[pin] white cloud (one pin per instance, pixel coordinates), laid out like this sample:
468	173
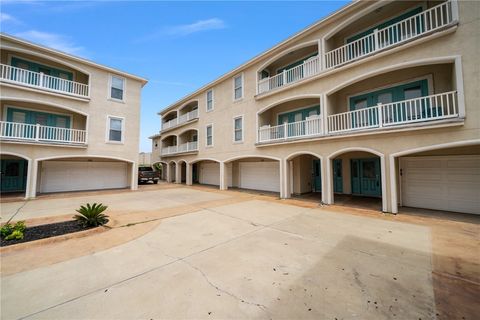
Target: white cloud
52	40
202	25
4	17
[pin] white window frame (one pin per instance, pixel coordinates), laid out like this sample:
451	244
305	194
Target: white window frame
243	86
243	129
107	131
110	81
206	135
213	100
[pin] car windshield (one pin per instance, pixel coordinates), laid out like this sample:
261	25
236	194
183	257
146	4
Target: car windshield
145	169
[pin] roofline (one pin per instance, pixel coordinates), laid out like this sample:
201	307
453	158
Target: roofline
72	57
261	55
155	136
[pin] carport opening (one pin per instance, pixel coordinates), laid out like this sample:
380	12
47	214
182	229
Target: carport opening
445	179
254	174
173	170
304	177
14	172
83	174
356	180
206	173
183	172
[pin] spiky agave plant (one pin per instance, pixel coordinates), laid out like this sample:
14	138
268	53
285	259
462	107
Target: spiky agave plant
91	215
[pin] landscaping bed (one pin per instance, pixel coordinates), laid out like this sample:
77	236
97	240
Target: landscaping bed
47	231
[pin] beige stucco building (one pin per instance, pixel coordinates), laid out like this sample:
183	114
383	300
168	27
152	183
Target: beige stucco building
67	123
379	99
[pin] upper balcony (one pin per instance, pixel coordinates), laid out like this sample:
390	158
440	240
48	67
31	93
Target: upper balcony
23	70
408	98
185	142
383	29
41	124
176	118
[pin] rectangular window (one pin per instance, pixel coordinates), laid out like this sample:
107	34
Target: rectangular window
117	88
115	129
238	129
210	100
209	135
238	87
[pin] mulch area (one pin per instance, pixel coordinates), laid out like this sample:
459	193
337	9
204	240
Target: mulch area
46	231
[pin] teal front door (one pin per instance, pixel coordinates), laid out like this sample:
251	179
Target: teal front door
298	129
337	176
317	176
14	175
366	179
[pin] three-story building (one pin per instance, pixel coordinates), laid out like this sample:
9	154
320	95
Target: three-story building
379	99
66	123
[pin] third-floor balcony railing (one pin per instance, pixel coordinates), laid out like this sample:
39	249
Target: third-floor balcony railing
416	26
42	81
182	119
184	147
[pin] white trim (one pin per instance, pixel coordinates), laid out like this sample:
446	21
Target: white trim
330	195
107	132
203	159
171	111
459	86
84	156
186	104
304	58
242	87
206	135
10	56
184	131
247	156
29	171
167	136
243	129
393	175
206	100
300	153
291	98
124	91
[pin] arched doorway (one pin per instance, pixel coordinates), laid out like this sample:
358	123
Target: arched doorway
206	172
305	175
14	174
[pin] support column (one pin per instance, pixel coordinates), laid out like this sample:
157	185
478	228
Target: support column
168	173
134	177
189	175
289	183
325	181
178	173
393	185
283	179
223	177
34	179
329	182
324	113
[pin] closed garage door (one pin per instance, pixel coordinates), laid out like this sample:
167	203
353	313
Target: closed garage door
442	183
82	175
209	173
259	176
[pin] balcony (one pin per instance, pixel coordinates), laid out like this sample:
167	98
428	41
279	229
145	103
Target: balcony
402	29
39	80
182	148
397	114
180	120
36	133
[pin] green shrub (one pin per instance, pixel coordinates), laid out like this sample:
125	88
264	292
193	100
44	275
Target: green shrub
16	231
91	215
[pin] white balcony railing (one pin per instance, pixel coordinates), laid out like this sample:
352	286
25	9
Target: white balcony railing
307	69
40	80
38	133
182	119
404	30
401	113
312	126
429	108
184	147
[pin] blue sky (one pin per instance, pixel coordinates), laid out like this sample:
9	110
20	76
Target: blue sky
178	46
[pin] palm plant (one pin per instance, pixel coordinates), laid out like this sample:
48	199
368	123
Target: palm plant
91	215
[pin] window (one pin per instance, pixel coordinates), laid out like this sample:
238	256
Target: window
210	100
238	87
238	129
209	135
117	88
115	129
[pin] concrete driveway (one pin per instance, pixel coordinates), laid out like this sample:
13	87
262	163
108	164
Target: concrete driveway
255	258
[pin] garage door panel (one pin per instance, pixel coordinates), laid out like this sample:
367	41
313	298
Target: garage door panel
209	173
449	183
58	176
263	176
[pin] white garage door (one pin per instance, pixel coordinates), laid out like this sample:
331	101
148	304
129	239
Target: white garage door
442	183
260	176
82	175
209	173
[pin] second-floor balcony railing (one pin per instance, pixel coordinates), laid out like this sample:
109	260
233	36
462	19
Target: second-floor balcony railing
184	147
402	31
396	114
42	81
182	119
37	133
418	25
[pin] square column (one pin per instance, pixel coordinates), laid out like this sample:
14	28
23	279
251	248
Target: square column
168	173
223	177
189	175
178	173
